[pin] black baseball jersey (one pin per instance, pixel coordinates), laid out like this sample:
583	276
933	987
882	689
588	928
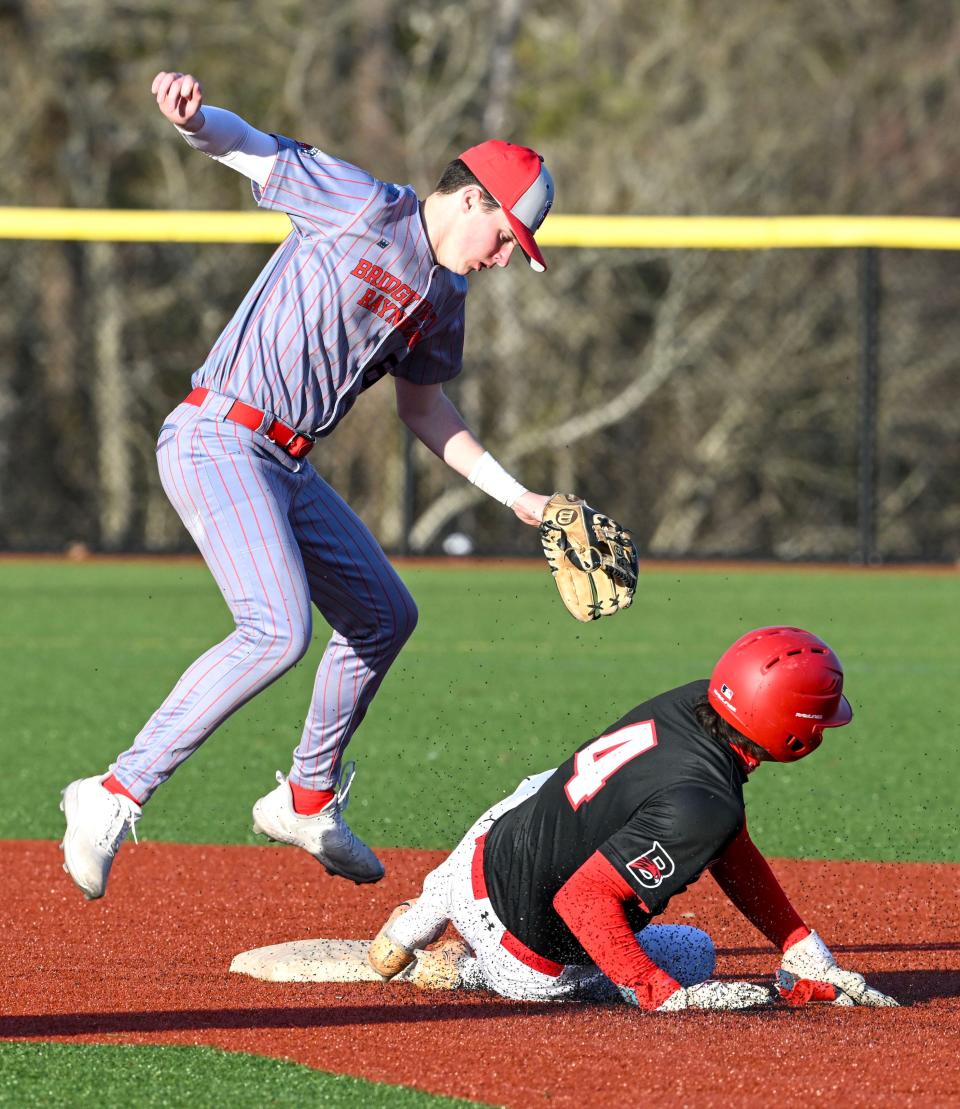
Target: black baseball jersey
654	794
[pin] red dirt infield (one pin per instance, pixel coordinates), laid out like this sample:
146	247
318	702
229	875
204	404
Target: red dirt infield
148	965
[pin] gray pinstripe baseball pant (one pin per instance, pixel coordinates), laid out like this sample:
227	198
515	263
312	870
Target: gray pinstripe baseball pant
276	537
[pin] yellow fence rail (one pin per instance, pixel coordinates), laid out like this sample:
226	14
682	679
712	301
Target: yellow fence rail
650	232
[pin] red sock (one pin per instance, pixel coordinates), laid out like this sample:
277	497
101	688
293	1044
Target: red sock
114	786
308	802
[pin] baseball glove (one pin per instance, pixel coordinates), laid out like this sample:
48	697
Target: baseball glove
593	559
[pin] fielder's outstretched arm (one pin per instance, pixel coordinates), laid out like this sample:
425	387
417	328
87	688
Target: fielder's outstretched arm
434	419
219	134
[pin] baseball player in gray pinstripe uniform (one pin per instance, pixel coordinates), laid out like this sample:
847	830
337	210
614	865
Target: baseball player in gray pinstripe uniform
370	282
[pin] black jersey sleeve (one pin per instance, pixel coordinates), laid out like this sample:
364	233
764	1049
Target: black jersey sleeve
666	844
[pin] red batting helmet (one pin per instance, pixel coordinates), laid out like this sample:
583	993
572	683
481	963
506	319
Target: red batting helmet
780	687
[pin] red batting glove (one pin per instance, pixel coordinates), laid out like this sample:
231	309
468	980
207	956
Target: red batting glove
801	991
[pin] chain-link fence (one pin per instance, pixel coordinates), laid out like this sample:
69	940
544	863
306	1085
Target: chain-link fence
741	403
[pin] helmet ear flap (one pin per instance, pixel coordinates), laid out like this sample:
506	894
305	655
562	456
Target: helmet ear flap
799	747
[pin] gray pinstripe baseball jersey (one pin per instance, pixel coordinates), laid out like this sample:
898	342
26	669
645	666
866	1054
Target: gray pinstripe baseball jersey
352	293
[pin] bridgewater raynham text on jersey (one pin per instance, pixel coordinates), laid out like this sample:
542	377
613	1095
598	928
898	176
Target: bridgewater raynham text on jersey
391	299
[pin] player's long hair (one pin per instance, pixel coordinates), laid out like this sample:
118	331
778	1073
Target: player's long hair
456	176
723	732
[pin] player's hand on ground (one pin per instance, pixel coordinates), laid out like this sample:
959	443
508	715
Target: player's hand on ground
529	508
439	967
855	986
794	991
718	995
179	97
811	958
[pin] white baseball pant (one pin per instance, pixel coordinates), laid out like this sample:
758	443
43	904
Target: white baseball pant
449	894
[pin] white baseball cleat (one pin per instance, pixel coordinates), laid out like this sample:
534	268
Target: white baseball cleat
325	835
98	821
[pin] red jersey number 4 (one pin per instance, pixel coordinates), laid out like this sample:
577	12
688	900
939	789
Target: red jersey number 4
600	760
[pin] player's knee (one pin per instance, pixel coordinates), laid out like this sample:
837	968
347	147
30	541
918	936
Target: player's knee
687	954
407	621
383	627
296	637
397	625
283	642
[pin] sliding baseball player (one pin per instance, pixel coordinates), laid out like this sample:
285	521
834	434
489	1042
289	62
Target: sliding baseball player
554	889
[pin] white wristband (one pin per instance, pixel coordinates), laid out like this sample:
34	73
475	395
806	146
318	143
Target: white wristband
489	476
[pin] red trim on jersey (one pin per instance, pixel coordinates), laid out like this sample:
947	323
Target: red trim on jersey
519	950
477	879
508	941
295	443
745	877
591	904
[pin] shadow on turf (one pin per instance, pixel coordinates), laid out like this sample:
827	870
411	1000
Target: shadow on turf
86	1024
907	986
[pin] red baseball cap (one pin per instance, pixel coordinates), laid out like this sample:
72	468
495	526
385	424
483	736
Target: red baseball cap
517	179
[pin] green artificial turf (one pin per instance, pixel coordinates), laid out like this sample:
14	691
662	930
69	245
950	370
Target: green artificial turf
155	1077
497	681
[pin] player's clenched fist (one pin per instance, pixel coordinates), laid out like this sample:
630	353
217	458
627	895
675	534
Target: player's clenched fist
179	97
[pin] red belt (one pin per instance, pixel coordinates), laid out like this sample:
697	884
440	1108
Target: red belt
295	443
517	948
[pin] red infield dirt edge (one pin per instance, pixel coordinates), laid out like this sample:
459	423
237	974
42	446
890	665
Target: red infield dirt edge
148	965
